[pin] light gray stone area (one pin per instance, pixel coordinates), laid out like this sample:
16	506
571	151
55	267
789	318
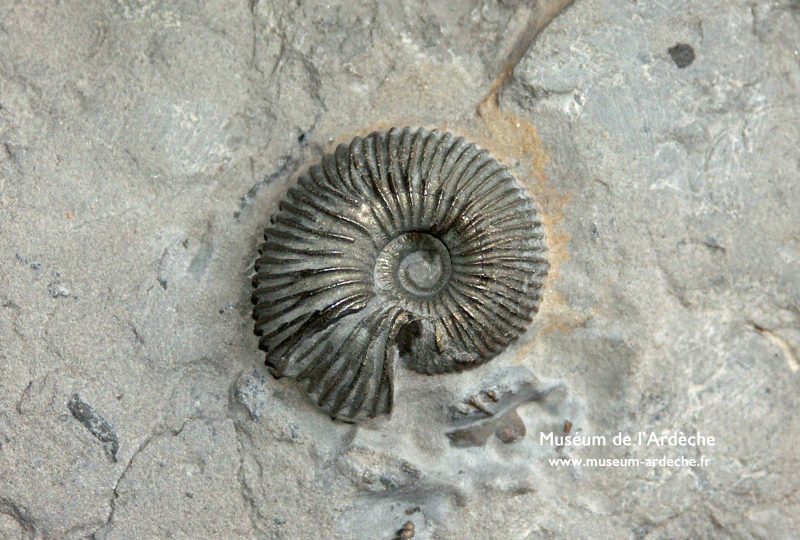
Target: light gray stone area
143	145
683	282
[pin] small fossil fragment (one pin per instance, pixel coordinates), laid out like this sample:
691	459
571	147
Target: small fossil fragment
406	532
96	424
412	245
493	410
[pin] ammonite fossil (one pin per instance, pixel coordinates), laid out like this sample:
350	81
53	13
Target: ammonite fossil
411	247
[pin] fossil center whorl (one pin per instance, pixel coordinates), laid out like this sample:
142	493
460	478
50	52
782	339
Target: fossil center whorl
413	268
409	244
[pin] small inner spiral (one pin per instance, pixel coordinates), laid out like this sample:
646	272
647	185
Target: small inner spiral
420	271
413	267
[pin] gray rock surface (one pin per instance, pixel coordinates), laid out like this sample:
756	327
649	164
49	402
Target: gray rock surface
144	143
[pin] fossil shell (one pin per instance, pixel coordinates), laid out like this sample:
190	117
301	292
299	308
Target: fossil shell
412	245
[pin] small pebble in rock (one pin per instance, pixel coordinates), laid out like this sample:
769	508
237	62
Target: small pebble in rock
406	532
682	54
509	434
57	290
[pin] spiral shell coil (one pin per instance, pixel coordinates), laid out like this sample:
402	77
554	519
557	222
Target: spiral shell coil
412	246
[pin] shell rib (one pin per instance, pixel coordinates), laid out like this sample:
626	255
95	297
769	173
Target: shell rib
412	245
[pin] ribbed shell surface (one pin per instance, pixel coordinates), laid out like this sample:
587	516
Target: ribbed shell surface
412	246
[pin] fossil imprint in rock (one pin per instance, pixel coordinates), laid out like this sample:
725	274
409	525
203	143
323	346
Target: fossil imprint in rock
412	247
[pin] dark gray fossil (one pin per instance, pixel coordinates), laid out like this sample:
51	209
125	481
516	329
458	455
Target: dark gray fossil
410	245
493	410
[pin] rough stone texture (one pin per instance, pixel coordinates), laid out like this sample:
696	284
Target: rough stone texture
143	144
